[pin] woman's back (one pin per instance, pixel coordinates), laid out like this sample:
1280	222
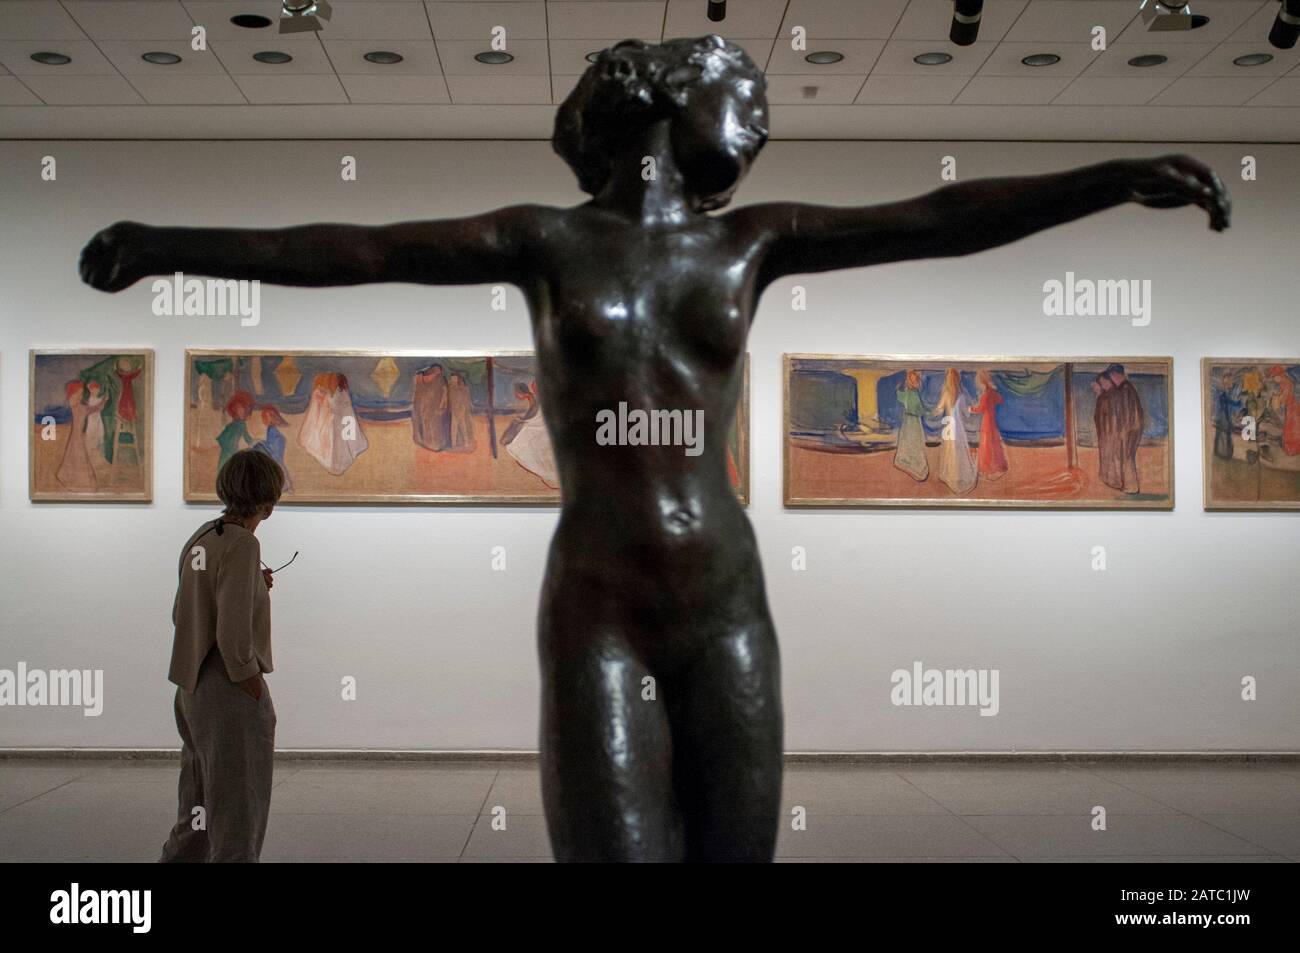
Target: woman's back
222	601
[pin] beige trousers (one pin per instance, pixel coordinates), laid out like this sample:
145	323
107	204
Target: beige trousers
227	756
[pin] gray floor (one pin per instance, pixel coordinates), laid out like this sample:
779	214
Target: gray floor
64	810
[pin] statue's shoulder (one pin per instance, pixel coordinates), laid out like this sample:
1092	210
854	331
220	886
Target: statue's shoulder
532	222
758	220
532	213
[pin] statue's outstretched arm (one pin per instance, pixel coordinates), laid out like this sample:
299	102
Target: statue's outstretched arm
454	251
970	216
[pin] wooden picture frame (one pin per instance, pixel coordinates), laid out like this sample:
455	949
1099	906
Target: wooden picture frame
880	466
114	417
385	409
1262	473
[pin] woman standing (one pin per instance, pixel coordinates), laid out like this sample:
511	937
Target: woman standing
207	416
94	435
1228	403
1105	422
1291	410
127	372
275	442
955	466
991	458
222	646
462	414
431	408
347	439
910	455
316	434
75	469
239	408
527	440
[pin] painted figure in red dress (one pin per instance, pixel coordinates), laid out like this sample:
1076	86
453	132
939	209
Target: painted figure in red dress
991	458
1291	425
126	400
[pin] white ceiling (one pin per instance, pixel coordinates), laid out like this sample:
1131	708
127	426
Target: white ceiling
440	91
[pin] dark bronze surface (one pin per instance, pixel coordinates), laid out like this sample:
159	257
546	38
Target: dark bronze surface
640	296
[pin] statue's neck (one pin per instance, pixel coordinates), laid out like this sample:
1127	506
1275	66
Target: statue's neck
645	183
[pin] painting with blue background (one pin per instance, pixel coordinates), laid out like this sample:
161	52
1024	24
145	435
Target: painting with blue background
823	399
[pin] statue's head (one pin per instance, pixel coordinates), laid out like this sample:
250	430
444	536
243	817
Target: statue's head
708	88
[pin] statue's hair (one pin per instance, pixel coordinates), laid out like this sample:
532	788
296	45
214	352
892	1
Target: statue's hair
633	83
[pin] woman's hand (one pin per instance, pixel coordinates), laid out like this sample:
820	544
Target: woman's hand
115	258
254	686
1176	180
266	575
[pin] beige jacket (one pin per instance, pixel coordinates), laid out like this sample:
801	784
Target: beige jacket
221	600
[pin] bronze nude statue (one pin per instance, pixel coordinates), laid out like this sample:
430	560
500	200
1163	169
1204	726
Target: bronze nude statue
640	296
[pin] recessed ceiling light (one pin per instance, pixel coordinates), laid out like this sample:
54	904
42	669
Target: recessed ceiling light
932	59
274	57
1253	59
493	57
160	58
1199	21
1041	59
1148	59
384	57
52	59
824	57
250	21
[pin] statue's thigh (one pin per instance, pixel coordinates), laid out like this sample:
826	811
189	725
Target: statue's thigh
726	719
606	757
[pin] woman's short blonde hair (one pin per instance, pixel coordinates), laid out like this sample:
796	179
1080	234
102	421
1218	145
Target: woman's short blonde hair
250	481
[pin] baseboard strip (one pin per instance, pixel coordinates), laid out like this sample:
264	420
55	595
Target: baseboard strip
791	757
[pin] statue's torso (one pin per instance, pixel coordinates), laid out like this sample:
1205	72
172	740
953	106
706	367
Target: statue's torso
655	319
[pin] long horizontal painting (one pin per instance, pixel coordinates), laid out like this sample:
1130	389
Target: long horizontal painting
90	429
384	427
1091	433
1251	433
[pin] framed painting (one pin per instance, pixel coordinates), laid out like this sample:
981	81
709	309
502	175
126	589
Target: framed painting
384	426
1250	433
90	429
1028	432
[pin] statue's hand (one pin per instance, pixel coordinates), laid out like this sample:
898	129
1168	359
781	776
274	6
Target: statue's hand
114	258
1175	181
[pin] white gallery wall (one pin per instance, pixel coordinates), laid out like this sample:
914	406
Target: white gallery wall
1147	655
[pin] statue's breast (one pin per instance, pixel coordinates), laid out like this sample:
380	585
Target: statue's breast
637	298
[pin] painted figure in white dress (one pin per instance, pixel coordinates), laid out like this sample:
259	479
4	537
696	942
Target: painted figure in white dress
528	442
956	468
349	439
95	401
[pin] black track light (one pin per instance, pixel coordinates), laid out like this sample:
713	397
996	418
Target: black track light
966	21
1286	28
